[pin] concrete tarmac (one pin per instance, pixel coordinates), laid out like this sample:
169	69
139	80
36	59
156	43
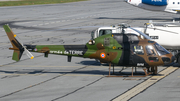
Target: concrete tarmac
55	79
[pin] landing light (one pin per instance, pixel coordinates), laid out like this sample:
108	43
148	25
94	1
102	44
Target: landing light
91	42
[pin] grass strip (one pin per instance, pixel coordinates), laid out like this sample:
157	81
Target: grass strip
34	2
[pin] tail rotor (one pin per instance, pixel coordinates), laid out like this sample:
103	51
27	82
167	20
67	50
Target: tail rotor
17	46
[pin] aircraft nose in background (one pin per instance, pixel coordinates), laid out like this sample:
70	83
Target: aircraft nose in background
133	2
130	1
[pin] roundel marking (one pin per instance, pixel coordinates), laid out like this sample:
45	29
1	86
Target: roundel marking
35	49
102	55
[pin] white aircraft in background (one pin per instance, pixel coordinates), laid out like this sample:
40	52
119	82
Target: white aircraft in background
172	6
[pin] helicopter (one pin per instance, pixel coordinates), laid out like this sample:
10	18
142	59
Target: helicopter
119	49
157	31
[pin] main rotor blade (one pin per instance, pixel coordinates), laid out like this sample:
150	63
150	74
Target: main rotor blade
28	54
144	35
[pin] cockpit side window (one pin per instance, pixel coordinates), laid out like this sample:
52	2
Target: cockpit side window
150	50
105	31
94	34
160	50
138	50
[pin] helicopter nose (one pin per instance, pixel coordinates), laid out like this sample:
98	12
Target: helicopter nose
173	58
167	60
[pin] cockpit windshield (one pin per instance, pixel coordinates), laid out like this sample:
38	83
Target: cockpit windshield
160	50
105	32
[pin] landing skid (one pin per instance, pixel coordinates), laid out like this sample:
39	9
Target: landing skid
147	71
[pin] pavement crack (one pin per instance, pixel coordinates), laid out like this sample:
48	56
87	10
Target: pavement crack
49	80
16	62
78	89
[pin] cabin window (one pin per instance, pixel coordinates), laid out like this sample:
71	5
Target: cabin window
173	2
150	50
105	31
138	50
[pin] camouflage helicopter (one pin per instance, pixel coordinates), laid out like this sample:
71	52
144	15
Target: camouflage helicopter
117	48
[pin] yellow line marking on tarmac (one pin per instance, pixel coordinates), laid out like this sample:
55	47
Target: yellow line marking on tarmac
144	85
157	76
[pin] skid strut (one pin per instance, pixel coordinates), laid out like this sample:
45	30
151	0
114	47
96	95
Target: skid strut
153	70
113	68
109	69
147	71
132	71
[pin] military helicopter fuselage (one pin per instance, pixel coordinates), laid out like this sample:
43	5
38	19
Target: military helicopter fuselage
115	48
119	49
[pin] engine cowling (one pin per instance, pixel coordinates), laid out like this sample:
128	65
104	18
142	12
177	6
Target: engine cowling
155	2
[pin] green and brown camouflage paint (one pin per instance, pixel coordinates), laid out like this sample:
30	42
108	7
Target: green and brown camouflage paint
17	47
85	51
111	48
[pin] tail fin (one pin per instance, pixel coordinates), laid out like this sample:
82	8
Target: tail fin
17	46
